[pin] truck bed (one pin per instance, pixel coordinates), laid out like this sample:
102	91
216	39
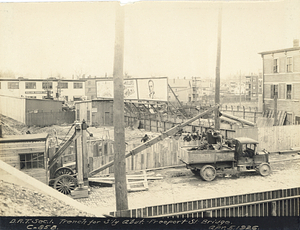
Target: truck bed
208	156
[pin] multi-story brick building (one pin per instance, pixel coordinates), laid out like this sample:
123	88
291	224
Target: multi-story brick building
253	86
68	90
281	77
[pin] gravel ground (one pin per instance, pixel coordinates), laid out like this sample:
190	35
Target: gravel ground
179	184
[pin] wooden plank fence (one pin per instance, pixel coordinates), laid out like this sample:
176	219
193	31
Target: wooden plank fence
163	153
273	138
282	202
168	151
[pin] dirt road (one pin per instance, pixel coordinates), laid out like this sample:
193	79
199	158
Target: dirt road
179	184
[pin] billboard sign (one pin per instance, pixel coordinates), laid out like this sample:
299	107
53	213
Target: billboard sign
105	89
149	89
154	89
130	89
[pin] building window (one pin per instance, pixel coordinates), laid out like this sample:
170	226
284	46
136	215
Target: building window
32	160
274	90
30	85
78	115
88	116
275	66
78	85
288	91
32	97
47	85
13	85
289	66
297	120
62	85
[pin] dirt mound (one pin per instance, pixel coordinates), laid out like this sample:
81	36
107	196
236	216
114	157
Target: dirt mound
16	200
11	126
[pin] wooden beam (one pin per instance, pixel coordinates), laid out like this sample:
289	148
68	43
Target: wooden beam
184	115
24	138
62	149
238	119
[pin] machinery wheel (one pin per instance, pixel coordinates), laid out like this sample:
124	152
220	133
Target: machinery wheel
208	173
62	171
264	169
65	184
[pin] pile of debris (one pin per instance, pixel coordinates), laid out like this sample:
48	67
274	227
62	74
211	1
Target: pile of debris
16	200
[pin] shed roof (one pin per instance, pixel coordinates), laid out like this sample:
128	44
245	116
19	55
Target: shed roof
246	140
24	138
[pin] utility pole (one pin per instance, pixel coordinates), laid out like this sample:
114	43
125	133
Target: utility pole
118	116
217	83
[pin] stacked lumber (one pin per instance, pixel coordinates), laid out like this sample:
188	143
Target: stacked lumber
137	182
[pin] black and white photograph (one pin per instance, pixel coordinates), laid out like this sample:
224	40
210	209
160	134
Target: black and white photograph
150	114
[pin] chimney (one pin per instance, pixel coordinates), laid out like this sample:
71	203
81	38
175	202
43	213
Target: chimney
296	43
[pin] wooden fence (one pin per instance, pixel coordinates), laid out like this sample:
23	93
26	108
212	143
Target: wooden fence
50	118
273	138
164	153
168	151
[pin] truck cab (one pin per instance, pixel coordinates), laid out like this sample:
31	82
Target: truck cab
248	158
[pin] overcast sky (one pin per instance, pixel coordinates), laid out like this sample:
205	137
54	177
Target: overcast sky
173	39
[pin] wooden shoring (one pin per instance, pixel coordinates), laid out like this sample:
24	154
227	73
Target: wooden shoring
282	202
184	115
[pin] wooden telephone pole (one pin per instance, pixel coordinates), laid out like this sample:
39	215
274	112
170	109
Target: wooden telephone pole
118	116
217	83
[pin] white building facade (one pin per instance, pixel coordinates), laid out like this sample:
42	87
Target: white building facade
67	90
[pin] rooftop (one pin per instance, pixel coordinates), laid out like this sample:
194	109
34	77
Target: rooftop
246	140
281	50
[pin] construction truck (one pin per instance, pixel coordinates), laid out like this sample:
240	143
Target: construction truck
238	155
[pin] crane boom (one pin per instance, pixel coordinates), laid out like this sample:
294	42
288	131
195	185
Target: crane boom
153	141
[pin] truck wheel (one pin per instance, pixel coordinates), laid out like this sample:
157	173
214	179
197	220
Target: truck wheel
208	173
264	169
